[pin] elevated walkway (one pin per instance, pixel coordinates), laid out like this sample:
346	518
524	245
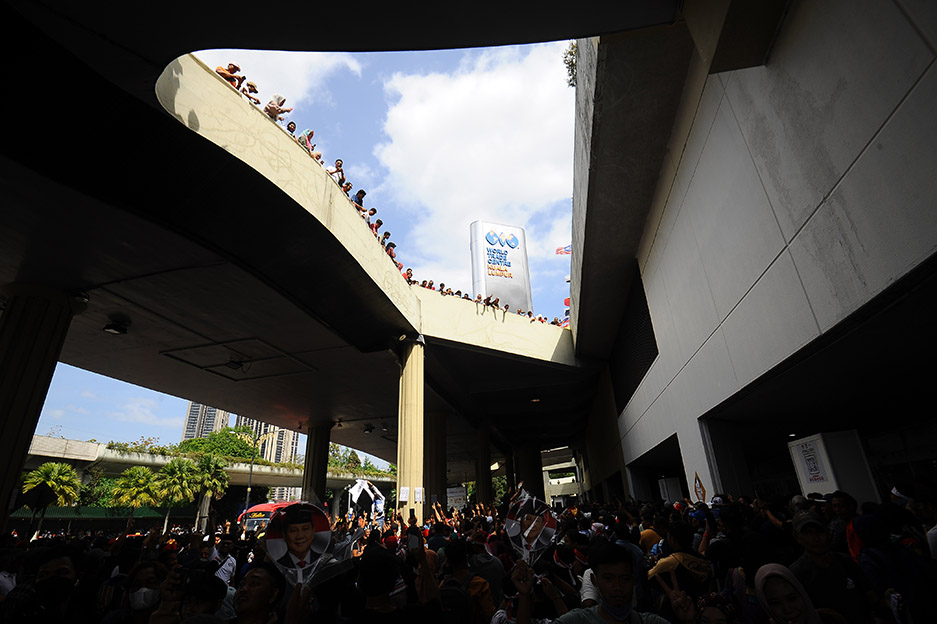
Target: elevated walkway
87	455
197	97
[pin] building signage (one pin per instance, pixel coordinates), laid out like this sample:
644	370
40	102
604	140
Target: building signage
456	497
499	264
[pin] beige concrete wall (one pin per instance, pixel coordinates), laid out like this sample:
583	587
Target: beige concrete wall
793	193
471	323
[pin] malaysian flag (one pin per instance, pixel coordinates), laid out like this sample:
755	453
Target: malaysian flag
564	251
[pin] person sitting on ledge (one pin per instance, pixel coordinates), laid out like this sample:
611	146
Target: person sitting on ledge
275	108
247	89
375	227
358	198
384	239
305	139
229	74
336	172
291	128
346	188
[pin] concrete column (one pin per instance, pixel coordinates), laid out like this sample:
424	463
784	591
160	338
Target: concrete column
530	469
33	327
483	489
509	470
410	429
434	457
316	465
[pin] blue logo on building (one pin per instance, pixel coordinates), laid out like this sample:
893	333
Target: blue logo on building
510	240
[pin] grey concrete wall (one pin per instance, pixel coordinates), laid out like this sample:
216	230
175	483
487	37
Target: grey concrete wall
792	194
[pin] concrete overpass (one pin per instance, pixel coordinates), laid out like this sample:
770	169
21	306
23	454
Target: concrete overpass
85	456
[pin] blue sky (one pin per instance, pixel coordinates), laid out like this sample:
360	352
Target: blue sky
438	140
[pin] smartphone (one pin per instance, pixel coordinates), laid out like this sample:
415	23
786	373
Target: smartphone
413	542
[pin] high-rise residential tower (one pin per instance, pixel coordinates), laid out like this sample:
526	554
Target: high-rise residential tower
201	420
279	446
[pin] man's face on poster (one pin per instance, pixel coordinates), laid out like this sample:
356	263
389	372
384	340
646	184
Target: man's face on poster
534	523
299	538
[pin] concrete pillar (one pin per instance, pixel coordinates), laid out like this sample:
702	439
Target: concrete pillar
410	430
530	469
509	470
316	466
434	457
33	327
483	489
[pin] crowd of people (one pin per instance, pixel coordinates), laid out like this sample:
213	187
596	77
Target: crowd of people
489	301
819	559
275	109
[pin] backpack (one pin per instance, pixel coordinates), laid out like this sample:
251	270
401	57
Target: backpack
456	601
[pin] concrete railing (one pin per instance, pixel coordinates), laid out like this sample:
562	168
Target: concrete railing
199	98
467	322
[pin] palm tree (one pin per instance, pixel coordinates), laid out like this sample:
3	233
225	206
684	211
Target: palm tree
176	482
212	482
62	478
134	488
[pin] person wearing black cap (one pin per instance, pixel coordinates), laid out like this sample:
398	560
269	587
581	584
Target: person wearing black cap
832	580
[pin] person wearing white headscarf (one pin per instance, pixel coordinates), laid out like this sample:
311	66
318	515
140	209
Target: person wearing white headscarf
274	107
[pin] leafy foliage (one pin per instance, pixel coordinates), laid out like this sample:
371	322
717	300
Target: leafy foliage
569	59
145	444
211	475
60	477
135	488
234	442
499	485
344	459
177	482
98	491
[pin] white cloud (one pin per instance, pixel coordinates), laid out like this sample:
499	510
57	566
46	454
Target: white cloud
78	410
56	413
89	395
298	76
141	410
493	140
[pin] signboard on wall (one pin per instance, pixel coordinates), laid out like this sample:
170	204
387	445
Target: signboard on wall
499	264
456	497
812	465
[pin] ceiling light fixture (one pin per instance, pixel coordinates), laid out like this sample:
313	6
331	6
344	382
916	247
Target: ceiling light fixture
234	364
535	400
116	328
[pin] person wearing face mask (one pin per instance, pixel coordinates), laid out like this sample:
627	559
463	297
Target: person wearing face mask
52	596
612	573
142	596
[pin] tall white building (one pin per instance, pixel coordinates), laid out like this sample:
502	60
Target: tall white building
201	420
279	447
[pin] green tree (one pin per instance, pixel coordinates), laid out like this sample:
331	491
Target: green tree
352	461
135	488
176	483
212	483
234	442
61	478
98	491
